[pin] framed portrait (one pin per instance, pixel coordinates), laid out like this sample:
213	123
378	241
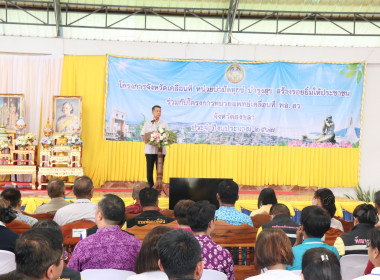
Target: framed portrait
11	110
67	114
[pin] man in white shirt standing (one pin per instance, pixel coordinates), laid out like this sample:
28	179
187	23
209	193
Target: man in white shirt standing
373	254
82	208
151	151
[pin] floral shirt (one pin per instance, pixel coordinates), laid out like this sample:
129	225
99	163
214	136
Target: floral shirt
108	248
134	208
216	257
232	216
26	219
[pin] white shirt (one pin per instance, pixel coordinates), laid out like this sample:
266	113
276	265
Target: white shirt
81	209
336	224
375	275
150	127
156	275
276	274
2	224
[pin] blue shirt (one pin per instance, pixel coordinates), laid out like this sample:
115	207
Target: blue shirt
307	244
232	216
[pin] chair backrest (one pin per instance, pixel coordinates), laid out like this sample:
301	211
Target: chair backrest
227	235
141	232
353	266
260	219
101	274
131	215
69	241
18	227
7	262
43	216
210	274
168	213
331	235
347	225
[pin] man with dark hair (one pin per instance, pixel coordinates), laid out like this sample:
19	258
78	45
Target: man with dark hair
180	255
136	208
201	219
82	208
56	191
149	202
228	194
151	151
373	254
67	273
280	216
14	197
315	222
39	255
109	247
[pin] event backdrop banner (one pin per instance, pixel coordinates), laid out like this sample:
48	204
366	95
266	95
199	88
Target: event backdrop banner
238	102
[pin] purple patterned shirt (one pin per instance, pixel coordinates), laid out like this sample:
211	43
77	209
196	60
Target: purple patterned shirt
109	247
216	257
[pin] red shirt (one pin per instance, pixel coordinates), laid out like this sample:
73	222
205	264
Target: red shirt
134	208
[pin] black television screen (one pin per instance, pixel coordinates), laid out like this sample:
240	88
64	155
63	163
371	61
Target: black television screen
193	188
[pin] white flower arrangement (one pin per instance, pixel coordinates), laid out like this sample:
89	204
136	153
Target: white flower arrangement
75	140
21	141
46	141
162	137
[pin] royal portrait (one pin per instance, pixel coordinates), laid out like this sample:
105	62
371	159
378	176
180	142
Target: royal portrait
11	110
67	114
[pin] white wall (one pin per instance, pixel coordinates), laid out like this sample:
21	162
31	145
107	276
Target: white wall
370	152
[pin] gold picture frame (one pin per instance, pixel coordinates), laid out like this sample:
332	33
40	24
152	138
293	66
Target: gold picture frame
67	114
11	110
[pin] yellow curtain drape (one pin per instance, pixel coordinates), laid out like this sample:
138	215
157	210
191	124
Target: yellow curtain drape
247	165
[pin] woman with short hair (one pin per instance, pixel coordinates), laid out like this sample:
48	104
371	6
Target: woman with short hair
267	198
273	251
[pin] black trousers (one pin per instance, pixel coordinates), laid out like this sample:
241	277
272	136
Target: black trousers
151	159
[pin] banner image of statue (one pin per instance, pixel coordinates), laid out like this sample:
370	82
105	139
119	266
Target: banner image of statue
11	110
67	114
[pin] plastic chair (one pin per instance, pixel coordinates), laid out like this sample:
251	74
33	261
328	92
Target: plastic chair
101	274
353	266
7	262
210	274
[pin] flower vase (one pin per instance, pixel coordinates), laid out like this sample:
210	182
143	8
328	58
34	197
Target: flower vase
76	147
21	148
45	146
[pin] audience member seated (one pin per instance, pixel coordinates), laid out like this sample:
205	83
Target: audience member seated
39	256
180	214
373	254
146	264
355	241
82	208
315	221
7	237
180	255
201	219
273	252
109	247
320	264
228	194
136	208
149	202
56	191
14	197
67	273
267	198
280	216
326	199
376	202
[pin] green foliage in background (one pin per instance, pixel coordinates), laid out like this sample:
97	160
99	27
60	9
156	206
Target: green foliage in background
362	195
352	70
